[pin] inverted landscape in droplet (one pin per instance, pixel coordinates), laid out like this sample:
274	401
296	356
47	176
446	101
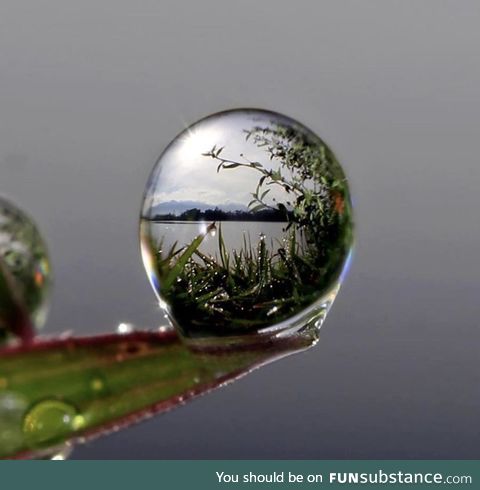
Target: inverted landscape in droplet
246	226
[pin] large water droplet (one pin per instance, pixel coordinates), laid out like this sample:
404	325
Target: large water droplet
246	227
25	276
50	420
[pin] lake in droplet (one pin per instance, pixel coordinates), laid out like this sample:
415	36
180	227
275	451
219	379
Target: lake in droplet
234	234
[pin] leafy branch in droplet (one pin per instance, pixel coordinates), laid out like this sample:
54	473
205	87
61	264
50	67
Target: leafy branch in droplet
308	173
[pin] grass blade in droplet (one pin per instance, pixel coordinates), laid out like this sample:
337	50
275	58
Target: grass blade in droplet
177	269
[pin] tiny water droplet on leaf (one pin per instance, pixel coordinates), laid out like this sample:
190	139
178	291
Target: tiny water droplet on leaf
279	203
60	453
97	384
49	421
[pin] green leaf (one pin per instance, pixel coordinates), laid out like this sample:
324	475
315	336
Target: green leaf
223	249
176	270
258	208
109	381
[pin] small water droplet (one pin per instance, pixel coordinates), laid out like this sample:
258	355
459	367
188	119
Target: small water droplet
25	274
48	421
97	384
125	328
78	422
59	453
62	454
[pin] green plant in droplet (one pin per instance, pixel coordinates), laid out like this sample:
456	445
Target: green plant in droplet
319	203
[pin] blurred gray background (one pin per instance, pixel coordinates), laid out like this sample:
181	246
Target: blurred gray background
92	91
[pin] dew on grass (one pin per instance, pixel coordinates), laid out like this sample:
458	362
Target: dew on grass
246	227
